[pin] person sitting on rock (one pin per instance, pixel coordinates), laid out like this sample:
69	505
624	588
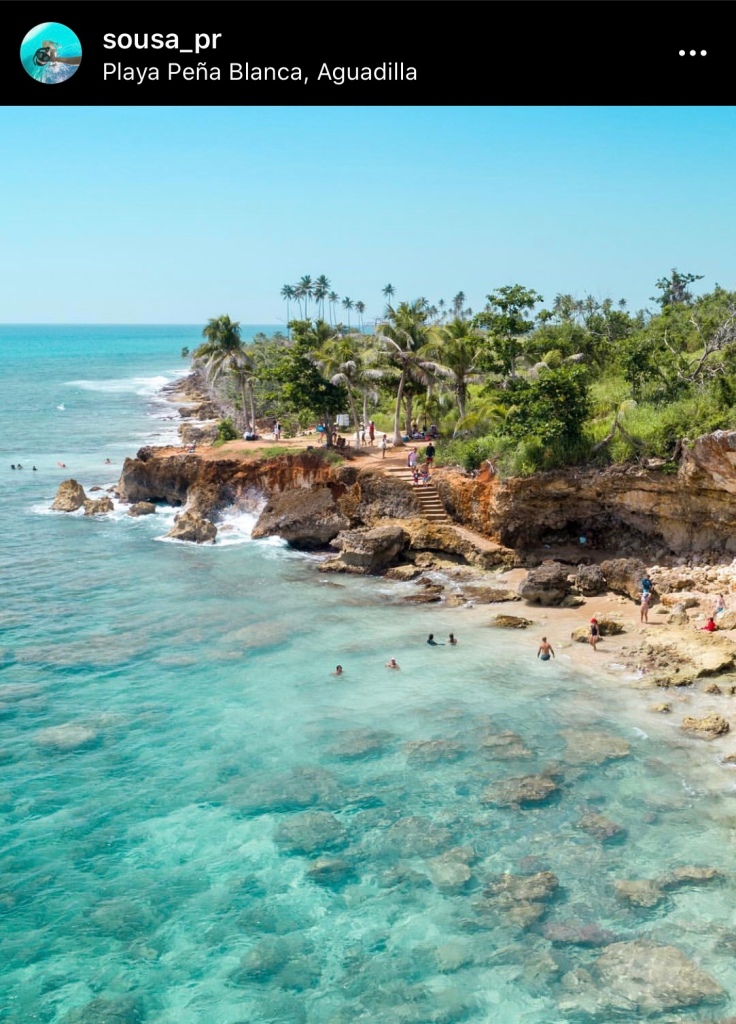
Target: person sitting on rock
710	626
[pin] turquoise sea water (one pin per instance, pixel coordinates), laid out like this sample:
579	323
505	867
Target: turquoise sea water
67	45
177	757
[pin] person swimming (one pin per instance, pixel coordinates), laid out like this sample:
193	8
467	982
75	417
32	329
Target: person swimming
338	671
392	663
432	642
452	639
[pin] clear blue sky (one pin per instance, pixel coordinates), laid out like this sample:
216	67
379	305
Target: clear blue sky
174	215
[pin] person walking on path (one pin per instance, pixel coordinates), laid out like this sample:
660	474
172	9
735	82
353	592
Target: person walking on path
412	458
595	633
384	446
545	650
429	454
646	597
372	432
277	431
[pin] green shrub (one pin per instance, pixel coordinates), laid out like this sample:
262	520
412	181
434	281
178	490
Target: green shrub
226	430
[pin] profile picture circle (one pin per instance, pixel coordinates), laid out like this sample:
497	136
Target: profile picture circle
51	53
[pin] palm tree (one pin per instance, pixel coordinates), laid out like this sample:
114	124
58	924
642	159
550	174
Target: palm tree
288	293
348	304
457	304
404	337
333	298
456	349
341	361
388	293
222	350
320	291
304	289
245	374
360	309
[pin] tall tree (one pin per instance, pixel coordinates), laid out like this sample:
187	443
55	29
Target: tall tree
297	382
348	304
222	350
457	350
320	291
404	337
333	298
388	293
360	310
457	304
507	322
288	292
674	289
303	291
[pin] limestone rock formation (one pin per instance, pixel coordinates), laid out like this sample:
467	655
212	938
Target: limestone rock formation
708	728
142	508
590	580
305	517
370	551
192	527
98	506
69	497
638	978
546	585
511	621
624	576
520	792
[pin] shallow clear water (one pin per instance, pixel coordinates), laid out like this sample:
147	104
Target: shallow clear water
176	756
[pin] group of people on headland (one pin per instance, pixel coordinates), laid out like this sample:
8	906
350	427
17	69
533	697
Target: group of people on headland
422	474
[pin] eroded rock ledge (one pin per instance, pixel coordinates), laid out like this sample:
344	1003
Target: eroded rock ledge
630	509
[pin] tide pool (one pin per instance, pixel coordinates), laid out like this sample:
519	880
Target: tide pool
200	824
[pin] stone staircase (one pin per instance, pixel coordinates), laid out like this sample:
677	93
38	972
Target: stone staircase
425	494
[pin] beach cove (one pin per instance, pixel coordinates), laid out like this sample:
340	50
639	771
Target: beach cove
200	822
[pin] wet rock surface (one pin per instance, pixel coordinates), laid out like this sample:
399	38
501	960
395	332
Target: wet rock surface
192	527
98	506
708	728
511	622
69	497
142	508
640	977
600	827
305	517
311	832
520	792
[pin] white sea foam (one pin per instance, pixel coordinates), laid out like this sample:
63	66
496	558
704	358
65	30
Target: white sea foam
146	386
640	732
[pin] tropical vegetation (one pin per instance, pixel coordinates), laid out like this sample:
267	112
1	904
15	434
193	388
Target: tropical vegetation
528	385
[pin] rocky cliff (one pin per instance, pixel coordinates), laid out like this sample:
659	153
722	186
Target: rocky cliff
661	509
657	510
